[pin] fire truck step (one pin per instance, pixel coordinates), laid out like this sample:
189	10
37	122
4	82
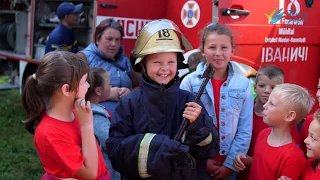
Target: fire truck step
8	87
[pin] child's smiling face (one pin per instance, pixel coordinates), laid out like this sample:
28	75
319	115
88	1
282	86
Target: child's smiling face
162	67
313	139
218	50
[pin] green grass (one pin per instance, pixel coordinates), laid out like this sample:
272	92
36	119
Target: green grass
4	79
18	157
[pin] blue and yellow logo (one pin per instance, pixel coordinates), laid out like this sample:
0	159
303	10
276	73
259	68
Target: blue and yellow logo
275	16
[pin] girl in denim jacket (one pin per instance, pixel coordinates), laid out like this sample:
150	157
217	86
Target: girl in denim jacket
227	98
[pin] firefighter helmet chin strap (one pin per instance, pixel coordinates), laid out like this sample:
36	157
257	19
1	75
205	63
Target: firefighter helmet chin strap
135	67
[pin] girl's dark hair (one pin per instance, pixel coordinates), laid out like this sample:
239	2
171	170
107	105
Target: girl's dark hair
218	29
105	24
316	117
95	79
55	69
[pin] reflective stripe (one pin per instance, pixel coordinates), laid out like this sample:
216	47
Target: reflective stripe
206	141
143	155
67	47
61	47
54	46
183	138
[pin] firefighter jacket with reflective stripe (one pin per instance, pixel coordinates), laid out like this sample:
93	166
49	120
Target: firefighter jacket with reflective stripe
142	130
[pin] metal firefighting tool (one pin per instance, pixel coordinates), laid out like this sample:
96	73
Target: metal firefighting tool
207	74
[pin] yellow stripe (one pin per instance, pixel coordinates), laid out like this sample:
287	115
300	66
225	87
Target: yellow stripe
65	48
143	155
206	141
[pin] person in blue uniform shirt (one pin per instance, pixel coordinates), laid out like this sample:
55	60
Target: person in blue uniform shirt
63	37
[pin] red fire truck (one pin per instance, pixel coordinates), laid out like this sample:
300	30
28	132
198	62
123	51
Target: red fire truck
280	32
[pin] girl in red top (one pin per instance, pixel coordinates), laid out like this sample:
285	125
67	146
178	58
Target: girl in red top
61	119
312	167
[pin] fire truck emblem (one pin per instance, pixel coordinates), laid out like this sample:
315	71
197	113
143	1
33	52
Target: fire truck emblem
290	17
190	14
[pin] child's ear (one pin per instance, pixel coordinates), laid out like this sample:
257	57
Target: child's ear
291	116
97	91
66	90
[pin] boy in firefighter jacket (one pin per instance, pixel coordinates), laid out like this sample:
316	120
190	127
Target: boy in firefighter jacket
141	143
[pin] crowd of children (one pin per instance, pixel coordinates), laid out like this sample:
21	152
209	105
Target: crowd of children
229	135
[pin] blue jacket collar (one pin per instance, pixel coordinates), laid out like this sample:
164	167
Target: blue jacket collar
160	99
145	83
98	109
93	48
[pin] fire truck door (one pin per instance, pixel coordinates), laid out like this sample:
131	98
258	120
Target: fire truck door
279	32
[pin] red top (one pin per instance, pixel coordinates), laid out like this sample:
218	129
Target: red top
109	113
58	144
310	174
216	85
257	126
295	135
304	132
273	162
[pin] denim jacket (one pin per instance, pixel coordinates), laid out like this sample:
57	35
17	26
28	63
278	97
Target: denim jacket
236	107
101	125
